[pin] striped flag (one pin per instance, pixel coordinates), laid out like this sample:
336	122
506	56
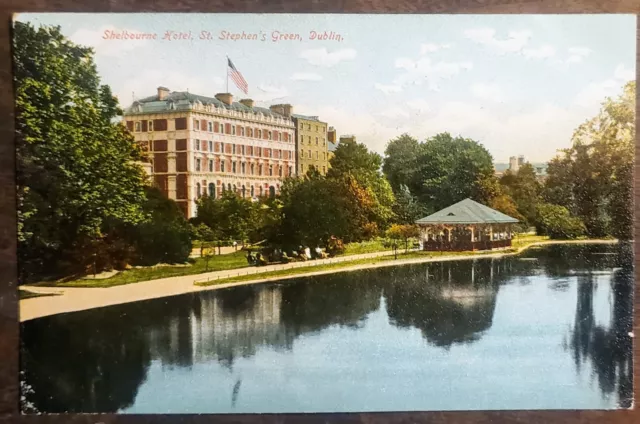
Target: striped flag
237	77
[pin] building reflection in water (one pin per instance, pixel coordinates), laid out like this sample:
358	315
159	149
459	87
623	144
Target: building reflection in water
95	361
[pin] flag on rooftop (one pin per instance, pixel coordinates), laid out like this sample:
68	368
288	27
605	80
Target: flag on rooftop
237	77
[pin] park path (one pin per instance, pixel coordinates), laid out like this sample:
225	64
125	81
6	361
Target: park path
71	299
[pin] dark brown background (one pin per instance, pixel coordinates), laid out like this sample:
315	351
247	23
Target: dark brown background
8	297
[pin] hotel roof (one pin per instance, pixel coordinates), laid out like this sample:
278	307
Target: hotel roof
467	211
182	100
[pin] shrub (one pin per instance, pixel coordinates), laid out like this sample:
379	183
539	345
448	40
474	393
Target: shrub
556	222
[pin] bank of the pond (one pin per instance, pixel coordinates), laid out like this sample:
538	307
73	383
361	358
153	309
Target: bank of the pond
73	299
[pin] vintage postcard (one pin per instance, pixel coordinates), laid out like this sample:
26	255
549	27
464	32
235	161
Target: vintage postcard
228	213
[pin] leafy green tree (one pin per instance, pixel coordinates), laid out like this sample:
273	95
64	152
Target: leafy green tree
556	222
524	189
354	159
401	161
231	217
406	209
76	167
593	178
450	170
164	236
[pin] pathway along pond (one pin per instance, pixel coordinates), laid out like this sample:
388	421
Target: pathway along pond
548	329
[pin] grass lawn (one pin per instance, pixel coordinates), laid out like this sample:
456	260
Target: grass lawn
526	239
198	266
26	294
364	247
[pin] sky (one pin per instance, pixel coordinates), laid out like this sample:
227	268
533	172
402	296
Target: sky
518	84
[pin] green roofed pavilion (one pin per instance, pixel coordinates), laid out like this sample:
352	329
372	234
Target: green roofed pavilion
466	225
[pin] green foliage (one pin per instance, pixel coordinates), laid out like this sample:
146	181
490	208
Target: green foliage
164	237
593	178
450	170
354	160
556	222
76	169
230	217
406	209
524	189
401	161
403	232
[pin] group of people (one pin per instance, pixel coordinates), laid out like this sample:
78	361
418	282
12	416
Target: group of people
278	255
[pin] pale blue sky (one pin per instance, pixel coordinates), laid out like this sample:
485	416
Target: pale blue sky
519	84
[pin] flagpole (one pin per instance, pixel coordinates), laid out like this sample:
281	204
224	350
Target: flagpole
227	68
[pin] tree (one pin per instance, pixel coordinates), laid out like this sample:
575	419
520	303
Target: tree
406	209
231	217
524	189
593	178
164	236
403	232
401	161
450	170
556	222
76	167
353	159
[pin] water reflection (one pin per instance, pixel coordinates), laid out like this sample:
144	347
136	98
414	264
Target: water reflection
97	360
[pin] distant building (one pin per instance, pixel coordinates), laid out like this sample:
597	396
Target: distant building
311	144
515	162
199	145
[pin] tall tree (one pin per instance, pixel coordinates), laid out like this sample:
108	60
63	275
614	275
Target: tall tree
593	178
354	159
401	161
76	168
231	216
524	188
451	169
406	209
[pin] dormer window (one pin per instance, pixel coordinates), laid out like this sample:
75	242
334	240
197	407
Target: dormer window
451	214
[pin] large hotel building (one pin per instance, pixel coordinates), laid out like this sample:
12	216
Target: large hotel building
199	145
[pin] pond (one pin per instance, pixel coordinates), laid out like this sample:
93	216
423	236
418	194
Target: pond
549	329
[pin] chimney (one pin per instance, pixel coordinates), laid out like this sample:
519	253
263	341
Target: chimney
163	93
247	102
226	98
331	134
285	110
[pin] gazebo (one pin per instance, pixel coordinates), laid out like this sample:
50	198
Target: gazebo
466	225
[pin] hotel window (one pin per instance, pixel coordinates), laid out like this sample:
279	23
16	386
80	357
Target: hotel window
279	154
271	170
212	190
324	156
259	133
250	132
221	128
233	167
221	166
244	191
210	166
280	171
233	148
196	125
198	190
260	169
317	153
317	128
316	141
258	151
242	150
137	126
301	139
150	126
252	191
210	125
196	144
309	139
279	136
235	188
242	131
243	168
233	130
290	171
324	170
309	127
260	190
229	186
210	146
253	169
270	153
269	135
309	154
197	164
221	147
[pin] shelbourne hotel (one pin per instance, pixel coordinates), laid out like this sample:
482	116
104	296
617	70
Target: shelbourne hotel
198	144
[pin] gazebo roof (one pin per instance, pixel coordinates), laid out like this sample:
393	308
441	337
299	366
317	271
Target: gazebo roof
467	211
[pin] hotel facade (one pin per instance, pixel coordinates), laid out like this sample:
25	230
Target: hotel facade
311	144
201	145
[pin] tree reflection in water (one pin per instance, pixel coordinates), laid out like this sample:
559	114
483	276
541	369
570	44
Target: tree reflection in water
95	361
